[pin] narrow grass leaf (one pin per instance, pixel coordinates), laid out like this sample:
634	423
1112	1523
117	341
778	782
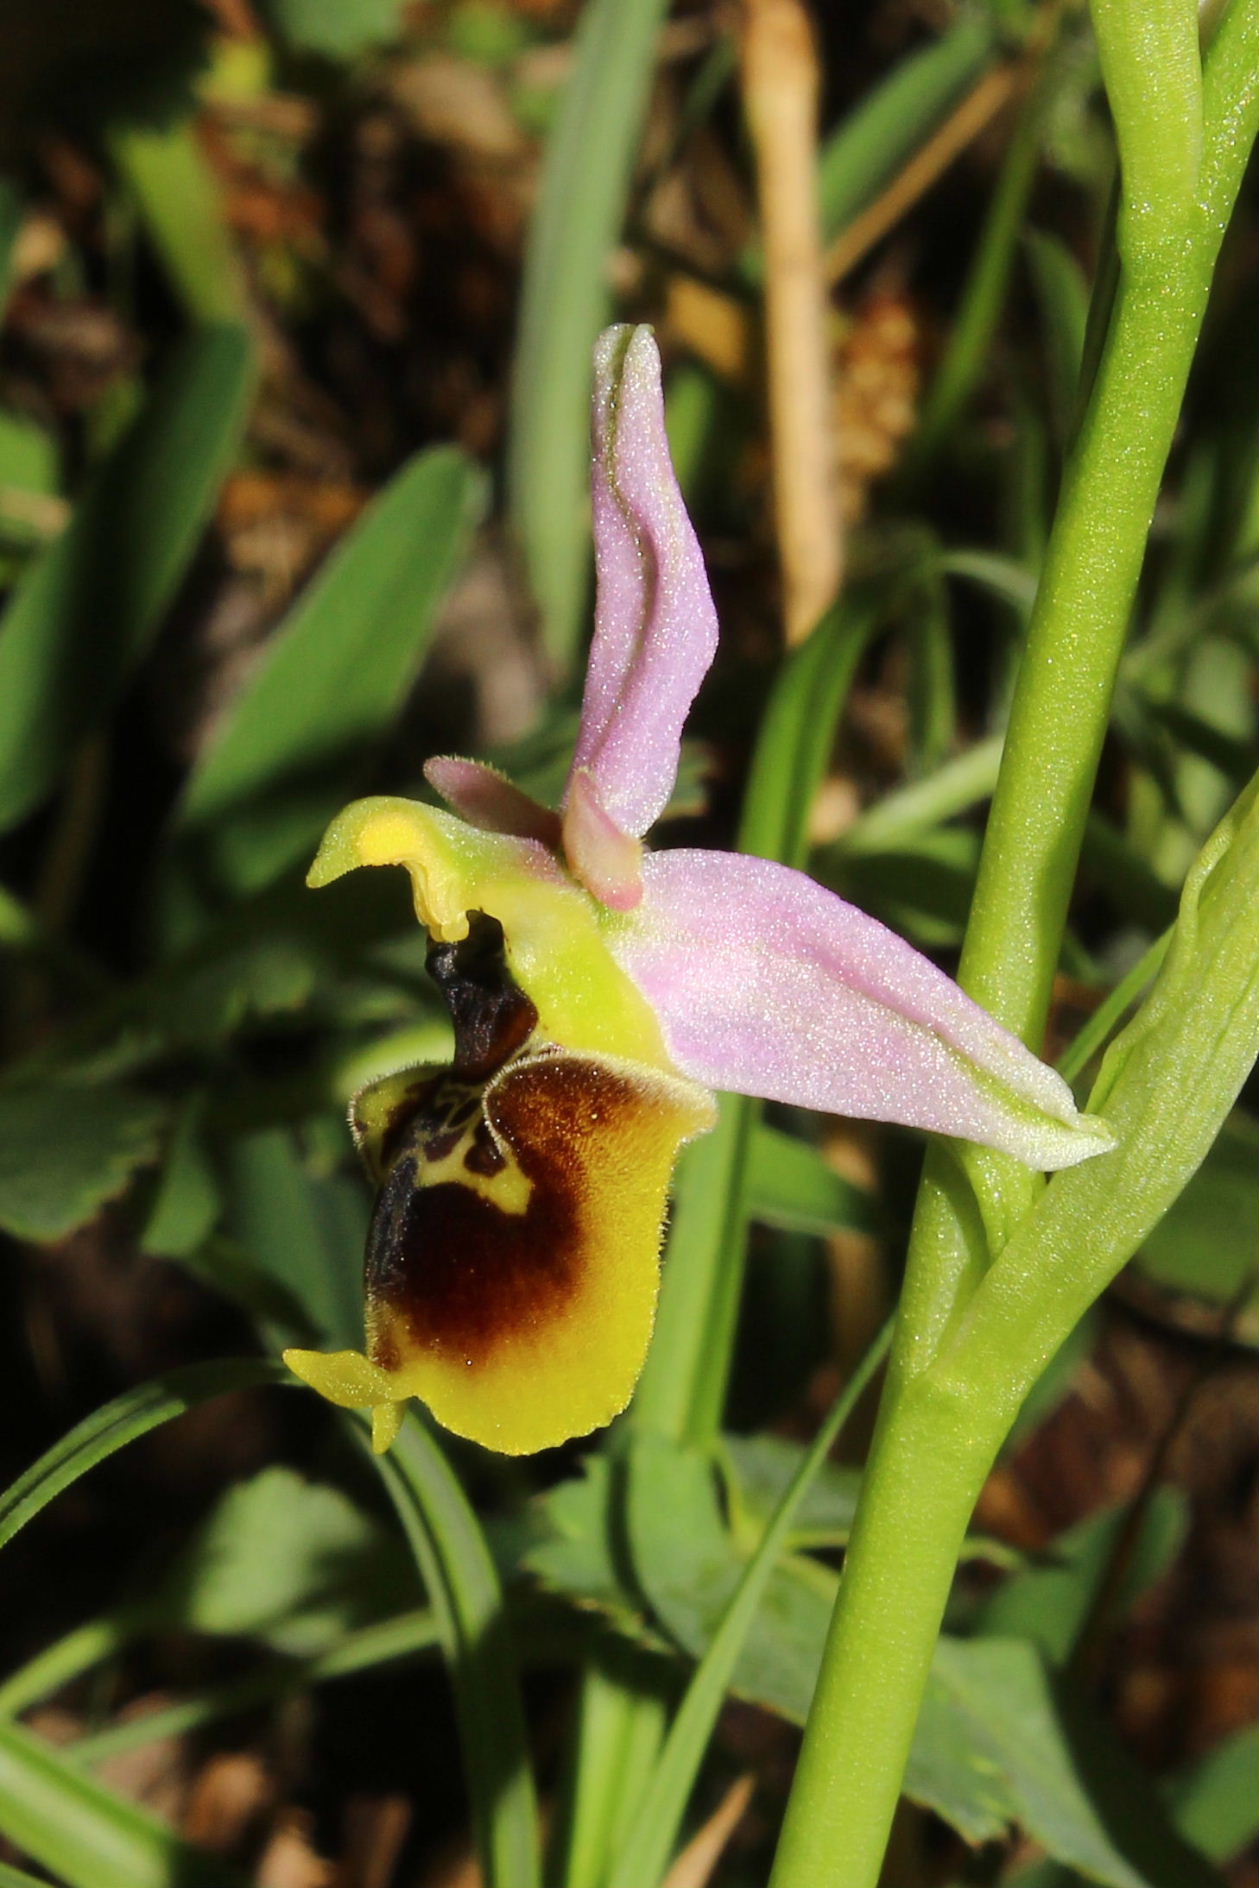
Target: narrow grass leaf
399	1638
467	1601
660	1812
113	1426
866	150
790	1185
1063	297
86	611
181	208
86	1835
330	684
577	222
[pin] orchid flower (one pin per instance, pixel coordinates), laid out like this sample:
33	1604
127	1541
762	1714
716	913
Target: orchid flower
599	993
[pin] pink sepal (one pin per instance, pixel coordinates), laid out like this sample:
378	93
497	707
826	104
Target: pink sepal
767	984
655	624
490	801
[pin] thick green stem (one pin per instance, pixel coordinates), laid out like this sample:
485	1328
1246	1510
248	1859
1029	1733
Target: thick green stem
1062	701
929	1460
938	1433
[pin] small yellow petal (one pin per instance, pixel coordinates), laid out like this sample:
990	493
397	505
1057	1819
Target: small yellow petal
345	1377
386	1422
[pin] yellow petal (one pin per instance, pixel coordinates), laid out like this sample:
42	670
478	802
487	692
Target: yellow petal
512	1279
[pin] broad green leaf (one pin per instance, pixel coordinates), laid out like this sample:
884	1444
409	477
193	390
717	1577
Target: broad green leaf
334	29
87	610
574	1548
762	1469
86	1835
997	1744
187	1203
1207	1243
790	1185
329	684
1215	1804
994	1747
66	1148
689	1569
113	1426
576	225
464	1592
305	1232
1050	1603
286	1559
659	1815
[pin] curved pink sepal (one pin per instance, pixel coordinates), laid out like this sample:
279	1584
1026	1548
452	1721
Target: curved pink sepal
607	861
655	624
767	984
490	801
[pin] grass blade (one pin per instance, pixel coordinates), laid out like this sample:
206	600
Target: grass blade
331	683
646	1854
872	143
110	1428
581	205
86	612
464	1592
70	1824
179	202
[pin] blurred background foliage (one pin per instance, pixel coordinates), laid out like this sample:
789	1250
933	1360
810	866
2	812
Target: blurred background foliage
298	300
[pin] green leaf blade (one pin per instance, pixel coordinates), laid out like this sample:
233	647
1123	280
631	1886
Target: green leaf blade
87	610
331	682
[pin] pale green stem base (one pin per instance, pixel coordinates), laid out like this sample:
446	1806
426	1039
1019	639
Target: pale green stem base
928	1464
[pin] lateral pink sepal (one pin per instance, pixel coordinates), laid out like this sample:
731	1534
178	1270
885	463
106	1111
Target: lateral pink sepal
767	984
490	801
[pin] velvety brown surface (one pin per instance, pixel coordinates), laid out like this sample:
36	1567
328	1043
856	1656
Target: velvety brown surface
461	1274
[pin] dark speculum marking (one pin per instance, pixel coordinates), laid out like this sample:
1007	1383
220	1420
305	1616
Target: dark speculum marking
460	1275
493	1017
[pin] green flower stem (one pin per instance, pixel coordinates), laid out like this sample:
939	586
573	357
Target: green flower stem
897	1573
955	1387
1059	714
